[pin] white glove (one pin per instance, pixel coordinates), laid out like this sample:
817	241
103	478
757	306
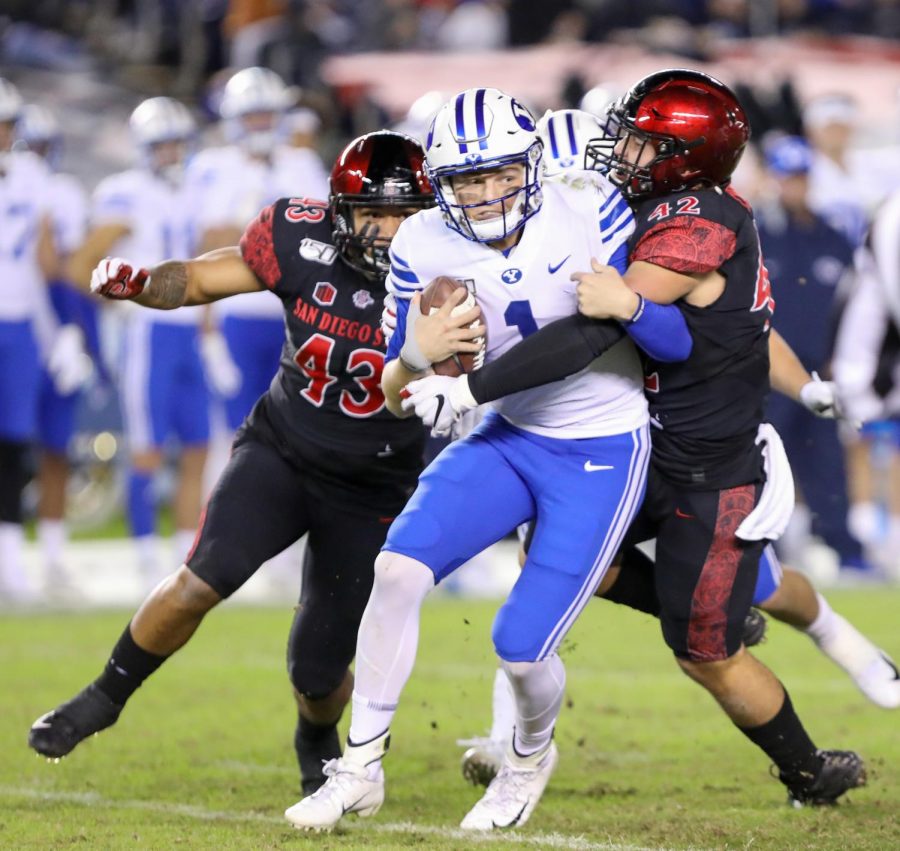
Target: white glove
68	363
439	401
221	370
117	279
389	318
821	397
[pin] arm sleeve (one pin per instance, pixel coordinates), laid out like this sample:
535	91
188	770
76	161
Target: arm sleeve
557	350
661	331
258	248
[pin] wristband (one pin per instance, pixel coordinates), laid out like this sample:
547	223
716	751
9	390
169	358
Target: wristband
639	311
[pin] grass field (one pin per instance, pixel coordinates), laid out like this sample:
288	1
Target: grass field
202	757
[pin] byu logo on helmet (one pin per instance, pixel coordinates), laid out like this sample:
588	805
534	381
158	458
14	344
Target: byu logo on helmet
511	276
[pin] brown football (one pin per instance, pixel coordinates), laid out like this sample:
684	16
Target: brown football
433	296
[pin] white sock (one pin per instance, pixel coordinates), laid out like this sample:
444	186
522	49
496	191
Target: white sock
865	520
503	707
387	642
148	555
538	689
182	541
840	641
52	538
13	578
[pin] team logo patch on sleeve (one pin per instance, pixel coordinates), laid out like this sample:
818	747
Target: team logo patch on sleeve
362	299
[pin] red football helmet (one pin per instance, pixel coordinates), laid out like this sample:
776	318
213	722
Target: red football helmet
692	123
381	168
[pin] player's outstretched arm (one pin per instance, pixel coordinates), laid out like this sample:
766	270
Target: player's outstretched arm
176	283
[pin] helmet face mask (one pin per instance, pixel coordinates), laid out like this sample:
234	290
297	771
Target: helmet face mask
477	132
674	130
379	174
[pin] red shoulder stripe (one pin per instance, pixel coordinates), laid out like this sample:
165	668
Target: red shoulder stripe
686	244
258	248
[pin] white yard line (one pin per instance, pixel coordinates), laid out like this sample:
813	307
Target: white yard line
538	840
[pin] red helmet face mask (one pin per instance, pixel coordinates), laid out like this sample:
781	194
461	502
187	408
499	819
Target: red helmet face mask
381	169
674	130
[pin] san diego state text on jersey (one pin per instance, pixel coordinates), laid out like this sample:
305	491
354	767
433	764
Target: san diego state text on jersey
709	406
334	349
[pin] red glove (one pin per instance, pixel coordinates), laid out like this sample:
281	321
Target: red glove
115	278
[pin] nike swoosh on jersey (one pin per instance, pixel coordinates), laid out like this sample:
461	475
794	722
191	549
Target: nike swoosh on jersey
554	269
590	468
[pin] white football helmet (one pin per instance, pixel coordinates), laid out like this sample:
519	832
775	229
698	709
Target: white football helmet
255	91
566	134
10	101
597	100
39	131
158	120
477	130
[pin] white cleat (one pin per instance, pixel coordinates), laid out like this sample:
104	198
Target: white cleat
482	760
880	682
514	792
349	789
873	671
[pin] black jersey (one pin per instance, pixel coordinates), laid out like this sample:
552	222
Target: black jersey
707	408
326	396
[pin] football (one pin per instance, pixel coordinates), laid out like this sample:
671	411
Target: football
433	296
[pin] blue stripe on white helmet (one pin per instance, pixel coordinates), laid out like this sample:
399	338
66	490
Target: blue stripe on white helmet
566	134
477	130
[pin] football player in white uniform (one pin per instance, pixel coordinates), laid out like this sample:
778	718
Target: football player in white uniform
242	345
69	364
573	454
146	214
27	259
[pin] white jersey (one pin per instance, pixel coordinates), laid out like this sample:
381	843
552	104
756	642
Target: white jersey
232	187
530	288
160	220
69	213
25	199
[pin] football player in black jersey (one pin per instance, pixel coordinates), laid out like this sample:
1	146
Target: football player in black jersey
318	454
680	135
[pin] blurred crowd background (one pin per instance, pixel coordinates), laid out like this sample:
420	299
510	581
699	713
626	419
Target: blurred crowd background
819	78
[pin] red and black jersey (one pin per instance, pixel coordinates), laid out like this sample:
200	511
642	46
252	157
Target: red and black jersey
327	394
708	407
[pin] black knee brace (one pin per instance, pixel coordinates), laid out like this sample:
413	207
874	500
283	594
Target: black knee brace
14	475
635	586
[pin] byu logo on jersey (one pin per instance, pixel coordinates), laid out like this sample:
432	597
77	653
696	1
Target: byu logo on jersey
317	252
511	276
362	299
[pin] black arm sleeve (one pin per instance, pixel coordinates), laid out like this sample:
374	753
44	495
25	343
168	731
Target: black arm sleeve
559	349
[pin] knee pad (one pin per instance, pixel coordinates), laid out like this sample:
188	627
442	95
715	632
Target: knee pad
401	577
14	475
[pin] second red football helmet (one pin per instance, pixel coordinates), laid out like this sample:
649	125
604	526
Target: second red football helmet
675	129
380	168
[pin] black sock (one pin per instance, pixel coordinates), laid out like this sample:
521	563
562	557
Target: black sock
787	744
127	668
315	744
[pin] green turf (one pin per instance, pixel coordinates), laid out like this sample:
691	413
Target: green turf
202	758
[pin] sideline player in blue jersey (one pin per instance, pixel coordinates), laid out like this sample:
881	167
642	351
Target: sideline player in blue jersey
571	454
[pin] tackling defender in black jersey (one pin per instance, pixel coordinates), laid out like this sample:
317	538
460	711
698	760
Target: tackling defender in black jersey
679	136
319	453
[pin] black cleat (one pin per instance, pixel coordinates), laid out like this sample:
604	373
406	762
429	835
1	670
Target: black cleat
59	731
754	628
315	745
840	771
